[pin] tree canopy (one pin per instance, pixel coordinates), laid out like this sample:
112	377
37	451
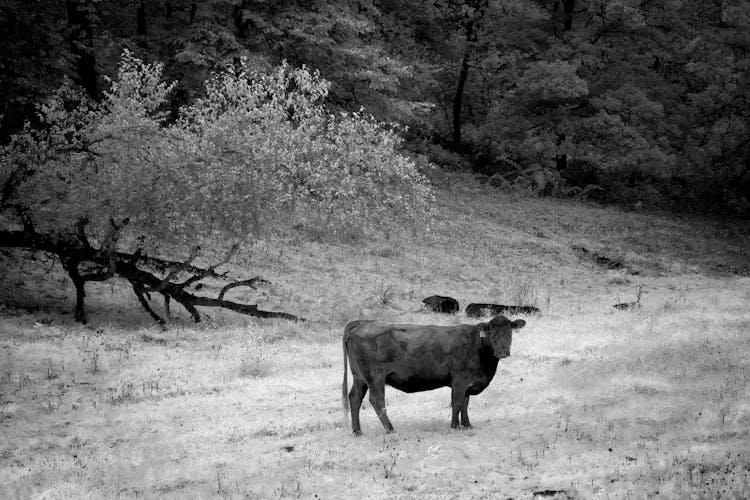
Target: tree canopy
113	184
645	101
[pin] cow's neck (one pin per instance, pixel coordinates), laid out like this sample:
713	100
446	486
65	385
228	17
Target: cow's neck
488	358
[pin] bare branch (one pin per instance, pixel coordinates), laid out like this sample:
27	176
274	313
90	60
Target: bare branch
140	293
211	271
249	283
81	232
73	252
178	269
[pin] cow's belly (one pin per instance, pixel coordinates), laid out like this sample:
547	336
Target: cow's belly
415	383
477	387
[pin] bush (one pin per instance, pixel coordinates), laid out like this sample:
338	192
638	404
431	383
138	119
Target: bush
257	155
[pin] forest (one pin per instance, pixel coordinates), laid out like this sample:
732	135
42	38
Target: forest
642	103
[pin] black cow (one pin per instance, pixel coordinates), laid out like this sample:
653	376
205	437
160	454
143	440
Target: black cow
479	310
415	358
440	304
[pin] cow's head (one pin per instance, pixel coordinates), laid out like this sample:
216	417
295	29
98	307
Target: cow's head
499	332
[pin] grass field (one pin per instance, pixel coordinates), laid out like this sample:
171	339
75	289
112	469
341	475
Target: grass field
592	403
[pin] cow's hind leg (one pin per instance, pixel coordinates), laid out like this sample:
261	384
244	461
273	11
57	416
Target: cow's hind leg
356	395
377	399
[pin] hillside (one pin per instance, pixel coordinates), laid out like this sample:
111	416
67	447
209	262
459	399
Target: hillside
592	403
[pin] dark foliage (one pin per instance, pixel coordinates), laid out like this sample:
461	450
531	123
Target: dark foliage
615	101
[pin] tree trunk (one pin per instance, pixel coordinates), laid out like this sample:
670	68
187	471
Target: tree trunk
193	10
471	41
561	160
140	16
458	99
82	44
240	23
568	6
71	266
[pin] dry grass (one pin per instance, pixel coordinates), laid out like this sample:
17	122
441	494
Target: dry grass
594	402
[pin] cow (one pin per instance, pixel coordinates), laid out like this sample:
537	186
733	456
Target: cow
479	310
440	304
414	358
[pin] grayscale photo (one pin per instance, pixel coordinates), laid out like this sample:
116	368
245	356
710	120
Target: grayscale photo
374	249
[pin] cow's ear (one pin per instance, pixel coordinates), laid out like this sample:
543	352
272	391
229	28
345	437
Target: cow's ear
517	324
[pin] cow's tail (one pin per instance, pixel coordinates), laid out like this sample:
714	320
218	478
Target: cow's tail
345	385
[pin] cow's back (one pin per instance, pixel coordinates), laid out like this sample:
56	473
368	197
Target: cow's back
410	351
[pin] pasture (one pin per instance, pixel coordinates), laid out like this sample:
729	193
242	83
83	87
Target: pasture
592	403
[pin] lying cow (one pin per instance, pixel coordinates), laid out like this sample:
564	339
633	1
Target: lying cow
415	358
479	310
441	304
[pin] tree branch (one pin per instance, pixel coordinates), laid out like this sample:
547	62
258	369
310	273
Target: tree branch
140	293
250	283
72	252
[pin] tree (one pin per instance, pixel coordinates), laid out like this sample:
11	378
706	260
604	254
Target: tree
117	189
662	119
716	137
476	11
80	23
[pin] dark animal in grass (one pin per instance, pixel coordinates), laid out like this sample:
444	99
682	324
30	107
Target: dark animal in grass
479	310
415	358
631	305
440	304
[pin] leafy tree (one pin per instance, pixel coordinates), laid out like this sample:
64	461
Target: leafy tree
119	189
716	135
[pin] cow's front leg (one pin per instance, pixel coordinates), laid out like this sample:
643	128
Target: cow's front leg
458	405
377	400
465	412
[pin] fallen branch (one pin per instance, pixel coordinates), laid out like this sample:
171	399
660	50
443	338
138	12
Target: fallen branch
140	270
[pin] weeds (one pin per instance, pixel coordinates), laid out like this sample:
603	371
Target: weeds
54	402
122	394
388	458
290	488
346	313
618	277
525	294
386	252
6	371
49	370
92	362
24	380
254	362
384	295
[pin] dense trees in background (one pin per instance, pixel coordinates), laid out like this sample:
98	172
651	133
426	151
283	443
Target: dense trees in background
620	100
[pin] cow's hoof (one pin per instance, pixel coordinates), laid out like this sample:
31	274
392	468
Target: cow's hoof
357	433
454	426
466	426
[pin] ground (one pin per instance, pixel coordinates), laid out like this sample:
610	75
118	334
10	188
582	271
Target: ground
652	402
